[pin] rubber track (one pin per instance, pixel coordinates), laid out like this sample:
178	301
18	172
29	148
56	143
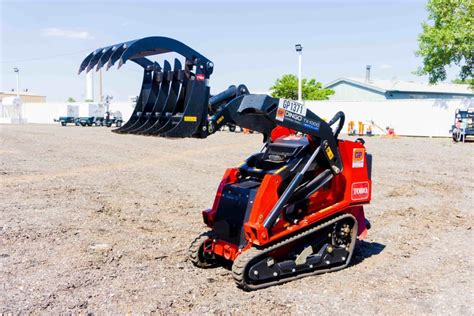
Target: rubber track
241	262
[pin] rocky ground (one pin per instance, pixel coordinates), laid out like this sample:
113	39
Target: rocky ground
91	221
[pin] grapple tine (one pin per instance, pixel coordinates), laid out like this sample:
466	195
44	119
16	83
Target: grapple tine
105	57
161	109
142	97
175	103
159	96
95	59
160	103
188	122
116	55
172	102
86	61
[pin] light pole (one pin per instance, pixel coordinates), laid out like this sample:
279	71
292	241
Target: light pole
17	71
299	50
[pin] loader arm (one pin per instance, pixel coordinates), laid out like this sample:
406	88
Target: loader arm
176	103
262	113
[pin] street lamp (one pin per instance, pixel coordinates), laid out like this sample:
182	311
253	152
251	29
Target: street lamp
299	50
17	71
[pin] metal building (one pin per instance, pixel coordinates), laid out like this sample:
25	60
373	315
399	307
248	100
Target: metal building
356	89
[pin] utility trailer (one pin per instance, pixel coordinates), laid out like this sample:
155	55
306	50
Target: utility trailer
101	121
90	121
64	120
86	121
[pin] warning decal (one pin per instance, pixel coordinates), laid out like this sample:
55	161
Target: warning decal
190	119
280	114
358	158
329	153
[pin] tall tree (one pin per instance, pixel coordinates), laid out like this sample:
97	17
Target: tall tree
448	40
287	87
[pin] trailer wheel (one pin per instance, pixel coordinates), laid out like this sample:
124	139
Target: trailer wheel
118	124
63	123
83	124
232	128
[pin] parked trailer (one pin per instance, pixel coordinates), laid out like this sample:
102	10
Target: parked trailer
64	120
89	121
100	121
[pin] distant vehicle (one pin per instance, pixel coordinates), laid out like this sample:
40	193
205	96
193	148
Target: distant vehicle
64	120
90	120
100	121
86	121
463	127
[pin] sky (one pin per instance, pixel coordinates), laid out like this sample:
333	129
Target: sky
250	42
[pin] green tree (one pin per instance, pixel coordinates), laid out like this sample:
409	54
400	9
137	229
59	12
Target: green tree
287	87
71	99
448	40
466	81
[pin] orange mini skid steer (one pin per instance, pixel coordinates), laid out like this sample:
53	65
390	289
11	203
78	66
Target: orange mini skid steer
295	208
292	210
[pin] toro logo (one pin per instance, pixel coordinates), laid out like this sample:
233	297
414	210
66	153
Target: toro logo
200	77
360	191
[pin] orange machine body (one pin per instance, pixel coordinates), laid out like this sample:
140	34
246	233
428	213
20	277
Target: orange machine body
348	191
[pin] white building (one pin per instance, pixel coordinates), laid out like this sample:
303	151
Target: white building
356	89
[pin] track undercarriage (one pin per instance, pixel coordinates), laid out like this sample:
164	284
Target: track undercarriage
326	247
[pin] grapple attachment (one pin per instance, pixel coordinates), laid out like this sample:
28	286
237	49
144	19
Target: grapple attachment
173	101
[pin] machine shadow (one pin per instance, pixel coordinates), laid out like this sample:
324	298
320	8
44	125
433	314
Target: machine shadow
364	250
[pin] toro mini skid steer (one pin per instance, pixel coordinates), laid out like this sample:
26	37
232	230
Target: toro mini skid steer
293	209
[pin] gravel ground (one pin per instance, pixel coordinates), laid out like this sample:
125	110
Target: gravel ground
91	221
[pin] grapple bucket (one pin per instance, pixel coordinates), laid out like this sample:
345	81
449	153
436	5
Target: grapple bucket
173	102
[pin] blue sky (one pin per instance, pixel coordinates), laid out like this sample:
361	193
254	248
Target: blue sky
249	42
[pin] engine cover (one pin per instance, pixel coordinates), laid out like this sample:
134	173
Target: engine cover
234	209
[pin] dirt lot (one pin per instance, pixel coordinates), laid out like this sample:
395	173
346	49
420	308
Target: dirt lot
91	221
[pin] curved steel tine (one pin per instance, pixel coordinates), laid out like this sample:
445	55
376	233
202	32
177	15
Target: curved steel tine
158	95
95	59
86	60
146	84
160	109
105	57
115	56
187	123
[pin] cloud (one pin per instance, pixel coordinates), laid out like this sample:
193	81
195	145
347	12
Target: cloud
385	66
58	32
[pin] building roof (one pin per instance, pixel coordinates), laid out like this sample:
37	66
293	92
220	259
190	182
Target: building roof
13	93
406	86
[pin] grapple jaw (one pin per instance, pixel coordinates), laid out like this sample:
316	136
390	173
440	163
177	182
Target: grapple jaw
173	101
